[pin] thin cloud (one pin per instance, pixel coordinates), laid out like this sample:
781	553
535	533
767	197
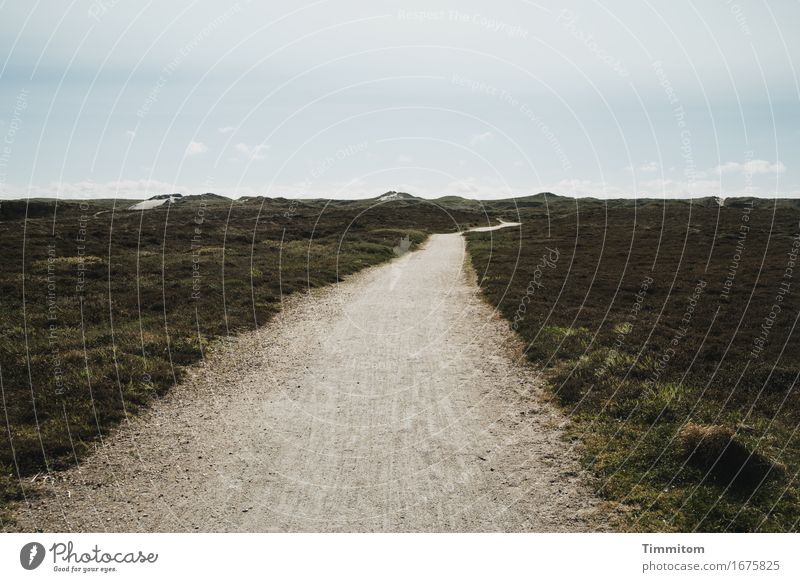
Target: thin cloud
123	189
195	148
480	138
227	129
645	167
751	167
256	152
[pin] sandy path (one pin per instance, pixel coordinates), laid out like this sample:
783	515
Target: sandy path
389	402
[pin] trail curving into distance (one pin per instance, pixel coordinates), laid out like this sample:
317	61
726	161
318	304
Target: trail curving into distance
393	401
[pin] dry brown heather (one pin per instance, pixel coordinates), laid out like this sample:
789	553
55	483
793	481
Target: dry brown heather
668	332
104	307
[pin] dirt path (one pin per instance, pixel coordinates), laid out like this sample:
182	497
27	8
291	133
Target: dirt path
389	402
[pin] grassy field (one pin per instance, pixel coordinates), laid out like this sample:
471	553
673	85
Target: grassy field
103	307
668	333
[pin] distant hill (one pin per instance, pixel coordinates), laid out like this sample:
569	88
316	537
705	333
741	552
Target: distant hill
542	201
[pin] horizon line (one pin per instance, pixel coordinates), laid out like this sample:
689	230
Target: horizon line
758	195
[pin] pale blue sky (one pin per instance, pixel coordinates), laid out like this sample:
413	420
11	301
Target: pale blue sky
350	99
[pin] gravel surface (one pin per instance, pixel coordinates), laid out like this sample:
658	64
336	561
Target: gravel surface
394	401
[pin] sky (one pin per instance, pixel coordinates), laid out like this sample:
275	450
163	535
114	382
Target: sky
346	99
